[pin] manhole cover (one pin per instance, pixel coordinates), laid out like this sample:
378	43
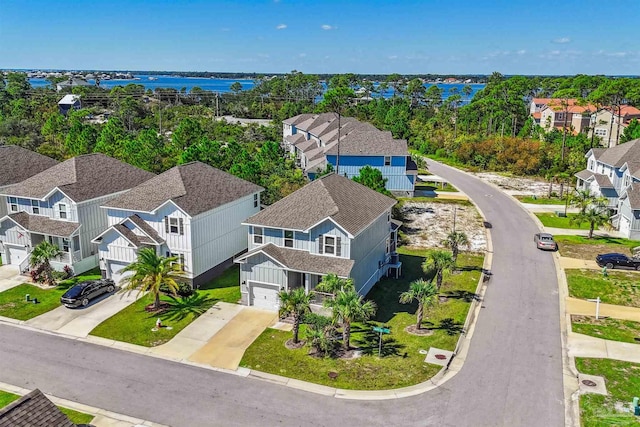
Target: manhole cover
589	383
440	356
333	375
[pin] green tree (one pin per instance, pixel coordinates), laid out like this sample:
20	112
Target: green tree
348	307
296	303
438	263
331	284
236	87
112	139
372	178
596	215
40	259
152	272
188	132
454	241
631	132
425	293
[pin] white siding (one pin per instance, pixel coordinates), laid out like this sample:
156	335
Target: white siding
3	206
369	249
94	221
115	247
260	268
329	228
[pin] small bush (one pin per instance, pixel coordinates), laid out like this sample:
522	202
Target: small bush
184	290
68	272
441	152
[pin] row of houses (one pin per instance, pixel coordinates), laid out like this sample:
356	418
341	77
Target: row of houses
101	212
607	123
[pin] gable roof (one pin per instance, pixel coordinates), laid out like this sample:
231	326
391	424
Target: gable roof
82	178
633	195
19	164
69	100
194	187
303	261
33	409
603	180
351	205
43	225
370	143
145	228
617	156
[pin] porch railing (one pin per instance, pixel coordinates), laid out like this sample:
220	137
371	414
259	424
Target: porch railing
319	297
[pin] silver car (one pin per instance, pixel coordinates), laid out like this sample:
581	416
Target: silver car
545	241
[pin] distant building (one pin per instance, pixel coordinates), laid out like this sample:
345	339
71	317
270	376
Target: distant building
609	123
33	409
71	83
69	102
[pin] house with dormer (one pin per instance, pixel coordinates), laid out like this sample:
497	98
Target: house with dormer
193	212
331	225
62	206
312	139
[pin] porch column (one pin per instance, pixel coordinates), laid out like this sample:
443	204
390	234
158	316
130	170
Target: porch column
306	282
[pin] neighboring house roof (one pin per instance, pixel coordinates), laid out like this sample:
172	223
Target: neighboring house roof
295	138
370	143
305	145
33	409
537	115
145	228
82	178
633	196
150	237
295	120
43	225
69	100
603	180
617	156
19	164
194	187
303	261
351	205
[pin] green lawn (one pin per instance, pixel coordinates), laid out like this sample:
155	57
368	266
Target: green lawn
401	365
584	248
75	416
14	305
435	187
134	325
608	329
552	220
534	200
623	383
620	288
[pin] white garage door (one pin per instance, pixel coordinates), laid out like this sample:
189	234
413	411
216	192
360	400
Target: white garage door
625	225
114	270
15	254
264	296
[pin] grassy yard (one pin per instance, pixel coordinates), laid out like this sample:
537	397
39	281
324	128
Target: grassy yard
623	383
584	248
459	202
75	416
534	200
14	305
620	288
401	364
134	325
435	187
552	220
608	329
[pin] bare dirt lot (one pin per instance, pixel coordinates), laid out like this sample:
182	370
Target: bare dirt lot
516	185
427	224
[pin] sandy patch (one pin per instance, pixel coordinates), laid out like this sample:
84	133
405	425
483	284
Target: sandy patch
517	185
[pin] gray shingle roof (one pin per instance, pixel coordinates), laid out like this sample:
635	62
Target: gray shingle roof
19	164
297	260
617	156
82	178
195	187
370	143
146	228
353	206
43	225
128	234
633	195
33	410
603	180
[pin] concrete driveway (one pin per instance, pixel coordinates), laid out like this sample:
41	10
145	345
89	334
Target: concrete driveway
80	321
225	349
10	277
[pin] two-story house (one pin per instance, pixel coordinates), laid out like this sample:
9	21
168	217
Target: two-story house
313	140
193	212
19	164
331	225
609	123
62	205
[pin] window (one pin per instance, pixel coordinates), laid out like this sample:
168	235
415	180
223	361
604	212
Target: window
387	160
388	244
13	204
257	235
388	216
601	132
173	225
288	238
590	165
76	243
255	200
179	261
329	245
35	207
62	211
560	116
65	245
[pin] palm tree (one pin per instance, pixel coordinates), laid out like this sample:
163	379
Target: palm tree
296	303
41	256
422	291
595	216
437	263
331	284
454	241
150	272
348	307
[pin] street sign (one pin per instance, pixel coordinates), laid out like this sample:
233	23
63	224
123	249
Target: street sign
380	331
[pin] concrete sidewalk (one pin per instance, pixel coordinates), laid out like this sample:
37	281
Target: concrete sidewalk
584	233
532	207
588	308
586	346
576	263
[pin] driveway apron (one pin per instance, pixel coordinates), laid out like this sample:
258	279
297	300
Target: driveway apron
10	277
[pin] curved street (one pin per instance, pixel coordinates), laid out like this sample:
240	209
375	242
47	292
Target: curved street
512	375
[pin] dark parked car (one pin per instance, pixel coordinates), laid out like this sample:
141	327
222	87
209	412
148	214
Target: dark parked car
545	241
614	260
82	293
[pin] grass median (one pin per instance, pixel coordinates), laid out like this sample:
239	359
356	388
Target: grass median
607	329
620	288
555	221
533	200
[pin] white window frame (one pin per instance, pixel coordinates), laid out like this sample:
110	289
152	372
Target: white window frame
172	225
180	260
387	160
258	237
63	213
388	245
66	243
13	204
289	240
326	245
35	208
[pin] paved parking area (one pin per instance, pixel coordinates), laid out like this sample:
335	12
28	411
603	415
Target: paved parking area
79	322
10	277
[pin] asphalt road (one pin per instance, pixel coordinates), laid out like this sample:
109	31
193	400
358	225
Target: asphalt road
512	375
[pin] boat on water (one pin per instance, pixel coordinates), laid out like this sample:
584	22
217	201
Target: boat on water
153	78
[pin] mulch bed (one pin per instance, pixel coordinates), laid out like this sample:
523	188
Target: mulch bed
293	346
161	309
411	329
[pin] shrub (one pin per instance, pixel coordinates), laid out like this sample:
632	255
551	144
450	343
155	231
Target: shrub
184	290
441	152
68	272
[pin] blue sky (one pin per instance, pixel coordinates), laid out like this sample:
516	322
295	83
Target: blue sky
361	36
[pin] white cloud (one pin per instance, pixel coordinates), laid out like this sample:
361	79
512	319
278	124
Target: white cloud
562	40
393	57
281	27
521	52
302	55
225	30
327	27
